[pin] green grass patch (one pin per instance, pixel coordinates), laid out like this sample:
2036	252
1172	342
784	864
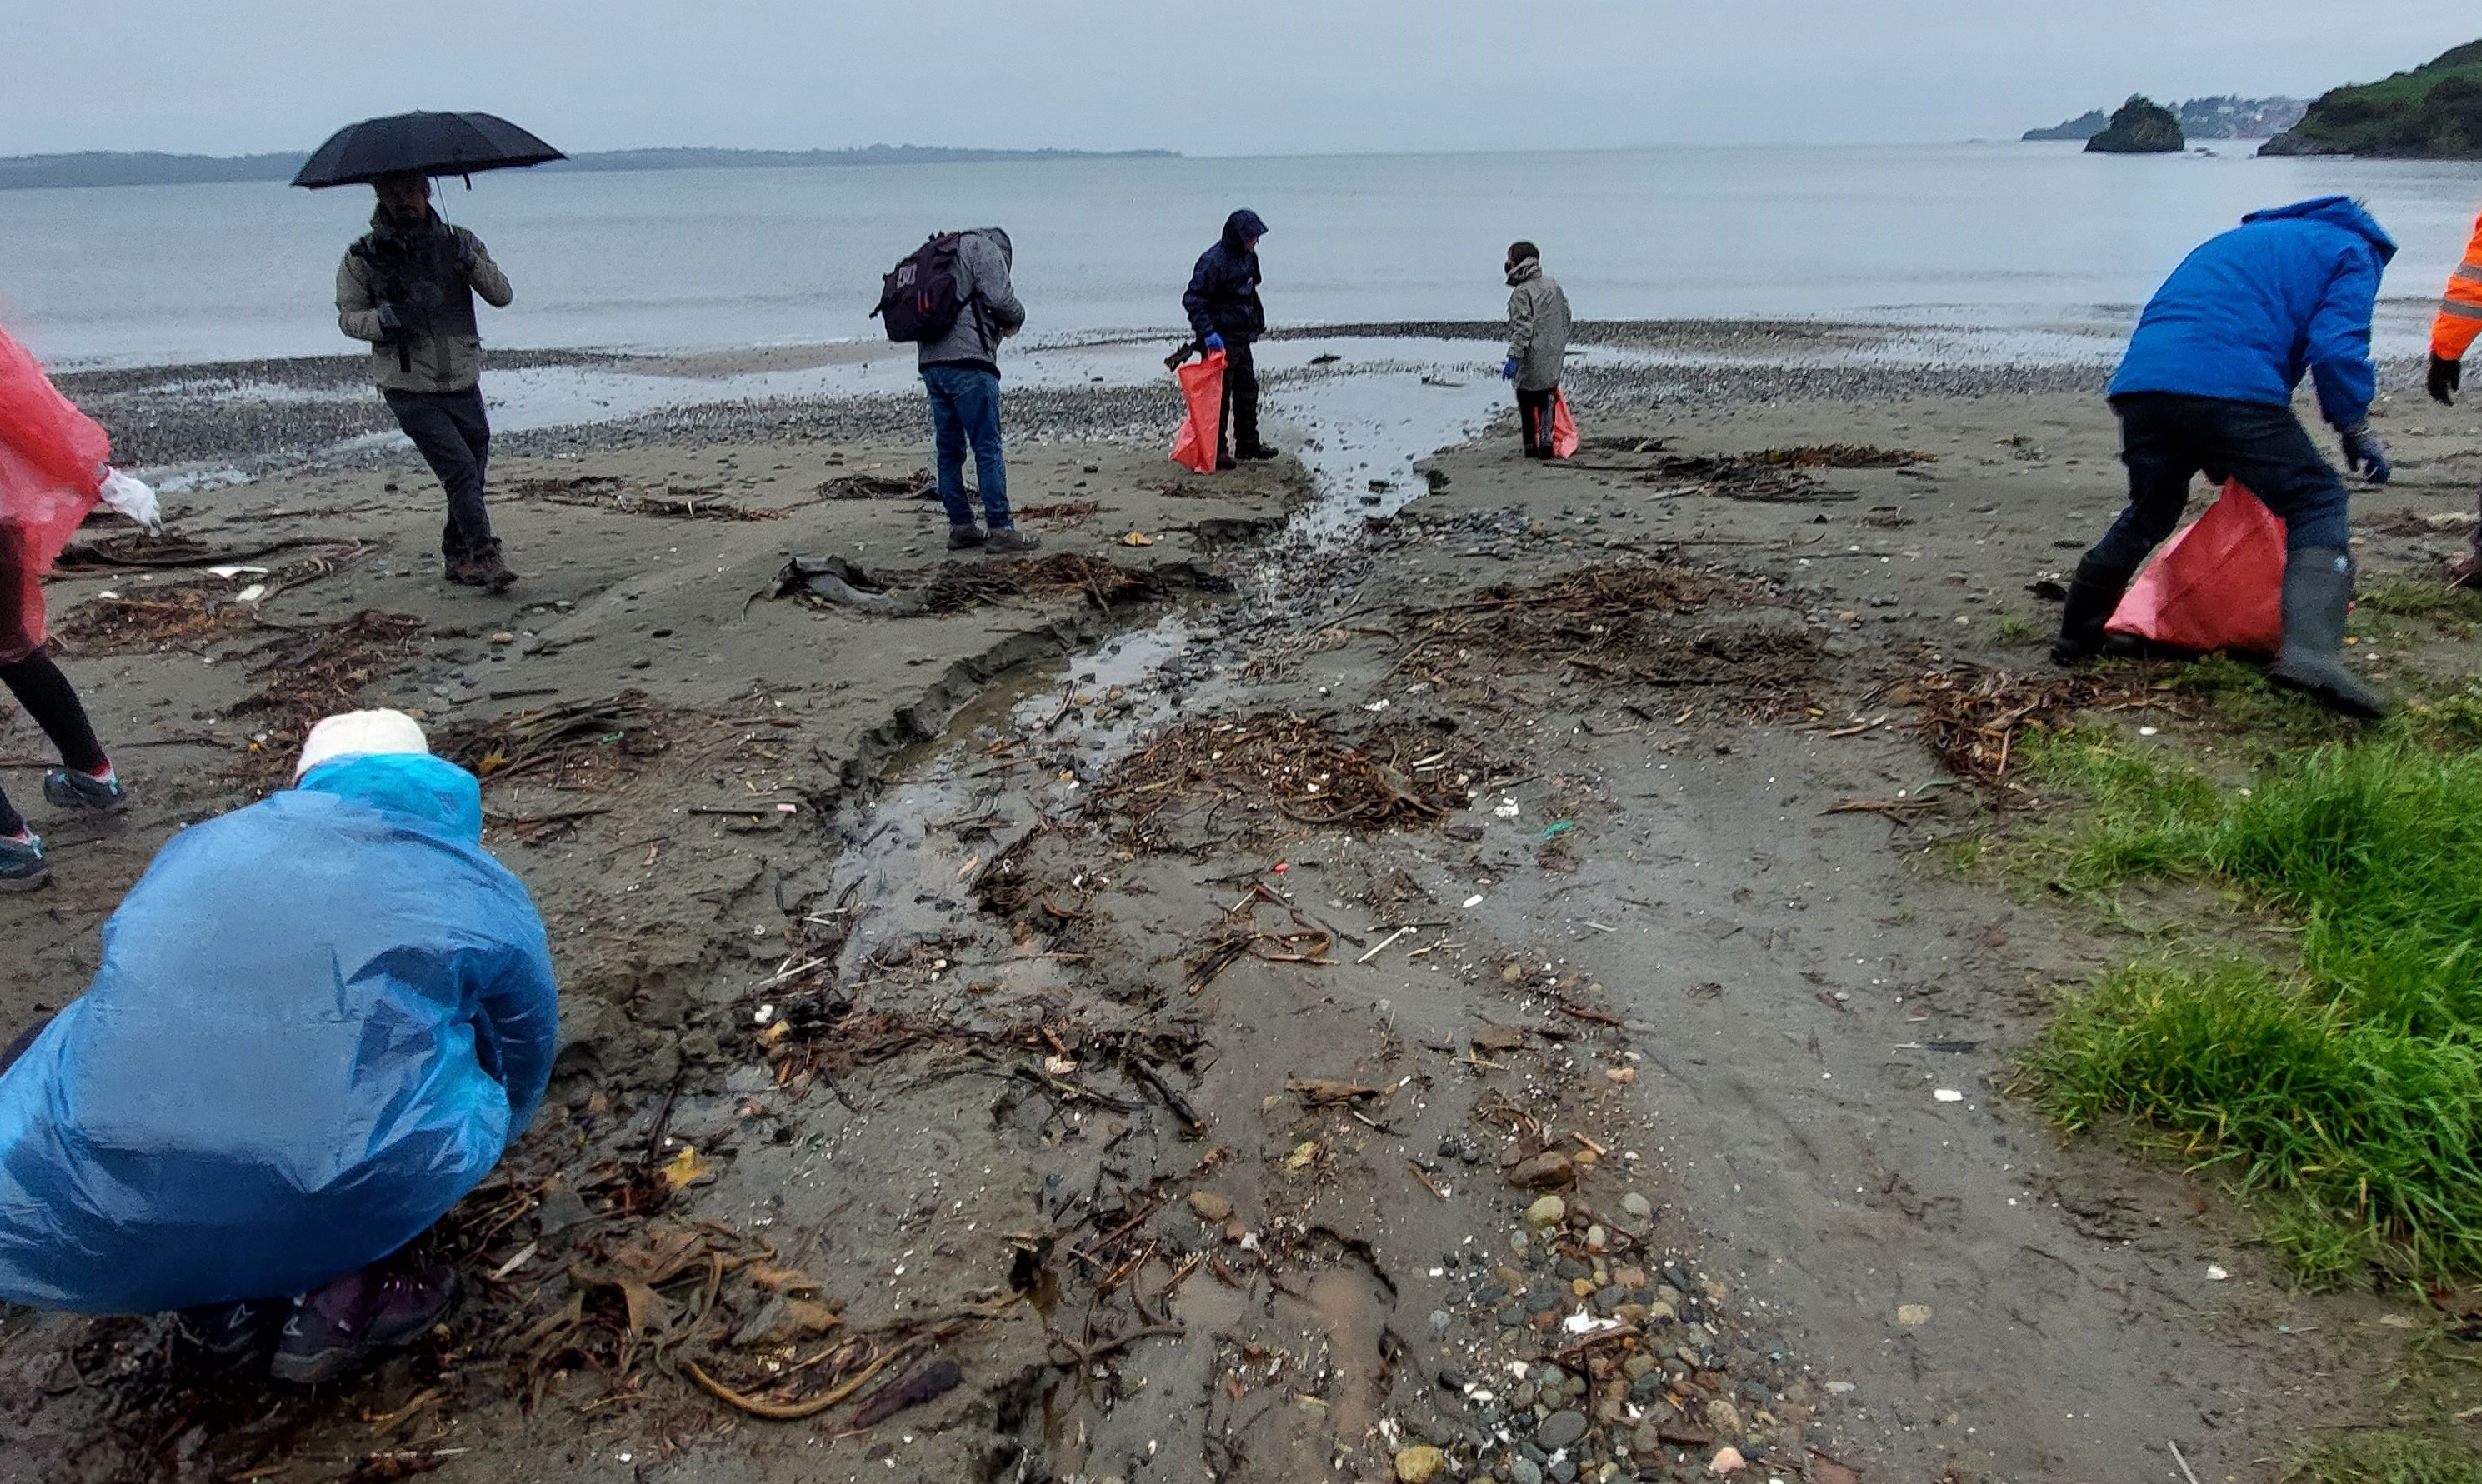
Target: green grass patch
2344	1091
2404	598
2391	1457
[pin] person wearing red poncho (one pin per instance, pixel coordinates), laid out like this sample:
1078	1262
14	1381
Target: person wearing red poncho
54	467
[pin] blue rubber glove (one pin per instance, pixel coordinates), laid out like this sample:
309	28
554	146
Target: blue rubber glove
1213	343
1508	370
2363	454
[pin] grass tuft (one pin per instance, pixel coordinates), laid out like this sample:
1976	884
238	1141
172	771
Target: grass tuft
2346	1093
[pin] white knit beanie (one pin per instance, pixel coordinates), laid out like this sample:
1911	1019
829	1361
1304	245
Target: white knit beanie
360	734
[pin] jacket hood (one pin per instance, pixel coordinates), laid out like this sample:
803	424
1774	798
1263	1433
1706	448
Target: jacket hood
2335	211
1526	271
432	789
999	238
1241	226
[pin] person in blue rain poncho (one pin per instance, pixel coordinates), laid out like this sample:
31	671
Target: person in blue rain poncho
319	1022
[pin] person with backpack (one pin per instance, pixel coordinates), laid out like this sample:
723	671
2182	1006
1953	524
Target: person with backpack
953	298
1538	345
408	287
1225	314
2207	383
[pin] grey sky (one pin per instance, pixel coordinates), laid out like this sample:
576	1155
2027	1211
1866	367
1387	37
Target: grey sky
1213	77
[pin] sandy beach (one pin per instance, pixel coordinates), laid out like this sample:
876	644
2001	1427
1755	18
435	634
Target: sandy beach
1169	978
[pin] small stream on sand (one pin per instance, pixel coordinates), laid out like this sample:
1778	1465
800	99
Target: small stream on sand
1359	434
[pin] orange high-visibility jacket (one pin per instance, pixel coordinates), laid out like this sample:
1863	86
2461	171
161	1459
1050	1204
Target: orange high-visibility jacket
2460	313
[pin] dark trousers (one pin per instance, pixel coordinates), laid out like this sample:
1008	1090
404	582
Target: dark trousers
1534	417
2166	440
46	692
966	414
1240	397
455	438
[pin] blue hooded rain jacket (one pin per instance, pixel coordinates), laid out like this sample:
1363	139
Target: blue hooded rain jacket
319	1022
2287	292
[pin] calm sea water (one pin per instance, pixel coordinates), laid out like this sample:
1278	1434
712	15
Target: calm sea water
2002	235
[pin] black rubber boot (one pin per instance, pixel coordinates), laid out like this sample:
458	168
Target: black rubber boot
2093	594
2317	589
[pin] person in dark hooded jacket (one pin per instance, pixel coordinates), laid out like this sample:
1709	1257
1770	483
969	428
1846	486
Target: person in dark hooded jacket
1226	315
2208	384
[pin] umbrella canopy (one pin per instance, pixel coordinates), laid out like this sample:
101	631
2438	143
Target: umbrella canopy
429	143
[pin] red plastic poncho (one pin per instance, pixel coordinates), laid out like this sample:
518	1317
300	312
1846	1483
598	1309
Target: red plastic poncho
1202	433
52	462
1564	428
2218	584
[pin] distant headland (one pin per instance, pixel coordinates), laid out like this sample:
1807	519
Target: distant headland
113	167
2431	113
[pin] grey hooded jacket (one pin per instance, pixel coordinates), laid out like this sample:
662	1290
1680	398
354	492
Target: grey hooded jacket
992	312
1538	327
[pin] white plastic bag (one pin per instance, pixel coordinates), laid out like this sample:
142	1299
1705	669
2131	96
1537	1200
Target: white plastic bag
132	498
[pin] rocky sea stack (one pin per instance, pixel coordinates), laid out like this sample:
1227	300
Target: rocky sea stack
2432	112
2141	127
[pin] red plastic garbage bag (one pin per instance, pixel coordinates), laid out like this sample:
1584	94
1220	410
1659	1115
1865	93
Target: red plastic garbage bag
1202	433
2218	584
52	459
1564	428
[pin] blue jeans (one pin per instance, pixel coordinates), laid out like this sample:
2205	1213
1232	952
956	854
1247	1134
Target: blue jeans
965	409
2167	439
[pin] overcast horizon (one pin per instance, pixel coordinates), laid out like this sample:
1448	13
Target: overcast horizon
1383	77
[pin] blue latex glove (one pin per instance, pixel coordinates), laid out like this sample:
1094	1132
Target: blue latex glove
1508	370
464	251
1213	343
2363	454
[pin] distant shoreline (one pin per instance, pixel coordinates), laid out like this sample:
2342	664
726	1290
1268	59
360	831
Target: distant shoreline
143	167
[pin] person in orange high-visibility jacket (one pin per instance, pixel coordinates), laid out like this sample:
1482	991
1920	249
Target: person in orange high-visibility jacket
2453	333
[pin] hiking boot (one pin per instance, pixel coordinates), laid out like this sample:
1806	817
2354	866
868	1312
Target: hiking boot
1008	541
69	789
226	1337
2093	595
486	571
22	866
964	538
2317	589
1258	452
2466	572
1225	462
334	1331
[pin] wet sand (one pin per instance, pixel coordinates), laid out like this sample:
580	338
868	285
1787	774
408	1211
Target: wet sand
1182	1106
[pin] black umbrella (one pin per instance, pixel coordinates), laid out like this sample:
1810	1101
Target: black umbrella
428	143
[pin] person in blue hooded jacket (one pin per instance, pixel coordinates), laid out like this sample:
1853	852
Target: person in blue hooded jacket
318	1022
1225	314
2207	385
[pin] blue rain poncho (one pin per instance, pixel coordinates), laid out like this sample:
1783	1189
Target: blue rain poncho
319	1022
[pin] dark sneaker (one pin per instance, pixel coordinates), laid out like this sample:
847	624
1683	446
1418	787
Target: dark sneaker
1009	540
334	1331
68	789
1225	462
964	538
22	866
226	1337
1259	453
2466	572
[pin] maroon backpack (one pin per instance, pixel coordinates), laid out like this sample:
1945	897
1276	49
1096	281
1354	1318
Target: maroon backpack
918	301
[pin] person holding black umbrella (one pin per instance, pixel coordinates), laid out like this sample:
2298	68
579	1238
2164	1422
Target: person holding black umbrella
409	288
